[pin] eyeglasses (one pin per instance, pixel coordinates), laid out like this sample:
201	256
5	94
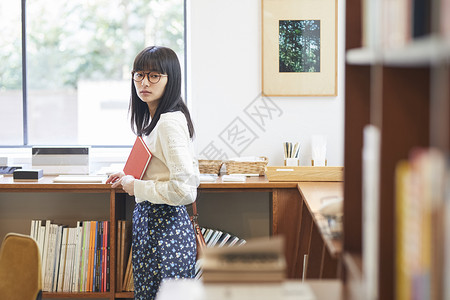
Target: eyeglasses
153	77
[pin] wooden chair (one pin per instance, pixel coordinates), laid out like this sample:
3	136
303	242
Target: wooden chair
20	268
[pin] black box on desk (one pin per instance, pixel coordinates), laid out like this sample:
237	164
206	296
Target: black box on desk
28	175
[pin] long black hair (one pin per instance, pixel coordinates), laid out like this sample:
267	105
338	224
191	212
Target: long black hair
162	60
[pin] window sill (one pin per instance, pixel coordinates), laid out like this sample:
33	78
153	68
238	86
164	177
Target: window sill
98	157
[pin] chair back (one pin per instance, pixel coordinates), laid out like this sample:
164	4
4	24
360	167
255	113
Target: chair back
20	268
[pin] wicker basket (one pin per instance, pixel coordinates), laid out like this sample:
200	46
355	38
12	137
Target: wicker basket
209	166
246	167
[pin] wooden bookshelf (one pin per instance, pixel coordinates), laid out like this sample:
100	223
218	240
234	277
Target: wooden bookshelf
65	203
404	92
292	210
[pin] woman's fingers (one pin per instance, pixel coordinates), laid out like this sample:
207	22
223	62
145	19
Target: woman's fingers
115	177
116	183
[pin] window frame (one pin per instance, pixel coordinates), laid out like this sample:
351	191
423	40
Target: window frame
25	139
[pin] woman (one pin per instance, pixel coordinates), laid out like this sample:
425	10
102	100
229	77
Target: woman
163	239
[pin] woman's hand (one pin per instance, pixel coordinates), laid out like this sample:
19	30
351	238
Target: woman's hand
115	177
119	179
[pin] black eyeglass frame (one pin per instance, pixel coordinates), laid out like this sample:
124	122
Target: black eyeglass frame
147	74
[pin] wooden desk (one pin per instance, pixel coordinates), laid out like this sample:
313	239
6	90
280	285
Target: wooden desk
294	207
322	249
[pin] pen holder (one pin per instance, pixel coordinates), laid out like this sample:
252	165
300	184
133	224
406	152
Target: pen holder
312	163
291	162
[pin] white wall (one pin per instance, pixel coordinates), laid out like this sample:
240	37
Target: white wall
224	78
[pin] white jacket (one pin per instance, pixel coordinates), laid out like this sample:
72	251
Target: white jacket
172	176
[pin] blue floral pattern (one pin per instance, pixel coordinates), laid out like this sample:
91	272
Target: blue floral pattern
163	247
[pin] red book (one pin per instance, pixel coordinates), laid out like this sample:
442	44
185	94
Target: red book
138	159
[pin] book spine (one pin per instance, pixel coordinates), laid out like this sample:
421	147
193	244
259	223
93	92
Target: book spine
91	257
78	244
45	250
57	258
108	253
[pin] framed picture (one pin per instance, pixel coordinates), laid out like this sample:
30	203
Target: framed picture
299	47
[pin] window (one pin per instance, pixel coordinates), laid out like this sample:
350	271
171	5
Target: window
79	55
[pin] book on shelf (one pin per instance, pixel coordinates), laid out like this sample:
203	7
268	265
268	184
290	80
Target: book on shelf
62	261
46	241
57	257
105	261
138	160
233	241
69	260
420	207
91	257
97	258
223	239
84	256
50	258
123	253
130	285
78	256
214	238
126	246
259	260
128	274
118	256
390	24
421	17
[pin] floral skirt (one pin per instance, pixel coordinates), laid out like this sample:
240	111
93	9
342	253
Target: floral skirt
163	247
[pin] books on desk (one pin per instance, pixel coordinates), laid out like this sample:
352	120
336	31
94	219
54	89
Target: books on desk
258	260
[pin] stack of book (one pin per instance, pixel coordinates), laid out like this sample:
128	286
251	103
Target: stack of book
74	259
259	260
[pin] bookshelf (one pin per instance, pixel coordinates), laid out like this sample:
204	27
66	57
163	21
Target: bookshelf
63	204
289	211
403	91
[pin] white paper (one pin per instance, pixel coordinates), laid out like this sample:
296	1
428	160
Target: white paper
208	177
233	178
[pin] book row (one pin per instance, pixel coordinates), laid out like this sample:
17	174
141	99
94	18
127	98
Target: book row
422	225
403	21
74	259
77	259
124	272
216	238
